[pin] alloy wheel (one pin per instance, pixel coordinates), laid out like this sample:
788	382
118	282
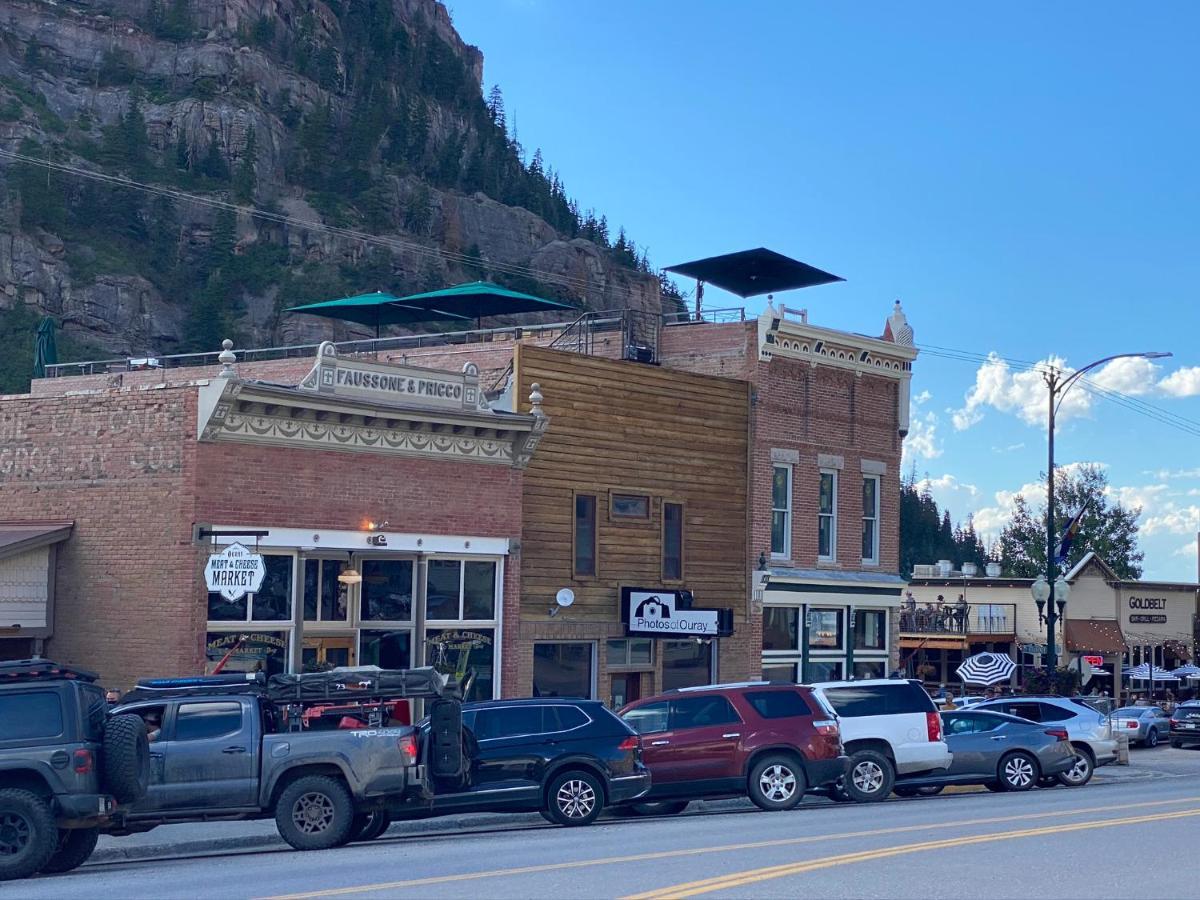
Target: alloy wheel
312	813
1078	772
1152	738
867	777
777	783
1018	772
15	834
576	799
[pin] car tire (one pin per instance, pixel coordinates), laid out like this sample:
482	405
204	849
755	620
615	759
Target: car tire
75	845
870	776
1178	745
315	812
126	758
28	835
925	790
1018	771
1048	781
574	798
658	808
994	786
1080	774
1152	738
368	826
776	783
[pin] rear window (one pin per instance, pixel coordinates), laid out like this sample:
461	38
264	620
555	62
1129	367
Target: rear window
37	714
563	718
509	722
879	700
778	704
203	721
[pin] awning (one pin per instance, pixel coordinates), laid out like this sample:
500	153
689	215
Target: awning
1095	635
27	559
942	642
19	537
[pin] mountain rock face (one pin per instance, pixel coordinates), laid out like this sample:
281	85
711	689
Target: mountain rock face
357	126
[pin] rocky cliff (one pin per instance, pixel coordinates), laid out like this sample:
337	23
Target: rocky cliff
364	115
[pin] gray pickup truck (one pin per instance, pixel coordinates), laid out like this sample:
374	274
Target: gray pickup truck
217	752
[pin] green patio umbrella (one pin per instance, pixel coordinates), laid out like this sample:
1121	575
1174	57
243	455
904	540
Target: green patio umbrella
477	299
375	309
45	352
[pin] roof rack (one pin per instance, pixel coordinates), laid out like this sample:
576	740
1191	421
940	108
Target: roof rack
42	670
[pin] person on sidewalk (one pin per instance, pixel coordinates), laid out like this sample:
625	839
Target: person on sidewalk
948	702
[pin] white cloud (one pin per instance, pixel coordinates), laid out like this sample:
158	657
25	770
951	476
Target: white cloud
1183	382
1132	375
1011	448
1146	496
1173	520
1169	474
923	397
921	440
1188	549
946	483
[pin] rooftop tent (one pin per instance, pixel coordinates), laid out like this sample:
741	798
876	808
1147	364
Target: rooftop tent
376	309
749	273
476	299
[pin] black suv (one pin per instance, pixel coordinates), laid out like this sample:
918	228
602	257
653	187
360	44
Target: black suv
65	764
1185	724
567	759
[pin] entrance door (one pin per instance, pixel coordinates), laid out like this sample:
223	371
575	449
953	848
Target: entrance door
626	687
328	651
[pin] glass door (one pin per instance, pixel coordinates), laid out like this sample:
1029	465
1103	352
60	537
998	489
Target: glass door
330	651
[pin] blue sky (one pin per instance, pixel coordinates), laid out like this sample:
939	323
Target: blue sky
1022	176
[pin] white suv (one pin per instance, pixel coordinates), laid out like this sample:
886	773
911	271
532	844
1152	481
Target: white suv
889	727
1089	729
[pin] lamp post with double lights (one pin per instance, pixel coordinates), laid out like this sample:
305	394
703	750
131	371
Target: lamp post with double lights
1051	584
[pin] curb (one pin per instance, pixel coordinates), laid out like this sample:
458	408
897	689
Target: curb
184	848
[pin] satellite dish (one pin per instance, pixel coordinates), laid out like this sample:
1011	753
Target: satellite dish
565	597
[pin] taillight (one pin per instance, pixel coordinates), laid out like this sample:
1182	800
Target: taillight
83	761
408	749
1174	721
933	725
1131	724
633	742
1060	733
826	726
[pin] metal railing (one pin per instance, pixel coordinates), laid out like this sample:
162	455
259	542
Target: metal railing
983	618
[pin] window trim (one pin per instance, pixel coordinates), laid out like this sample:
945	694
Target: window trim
872	560
318	623
360	561
614	516
865	652
593	665
629	666
833	517
843	628
595	498
787	511
682	576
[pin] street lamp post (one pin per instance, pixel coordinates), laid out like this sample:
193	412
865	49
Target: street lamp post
1059	386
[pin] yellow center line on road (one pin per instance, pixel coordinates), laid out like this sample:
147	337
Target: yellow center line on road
726	848
752	876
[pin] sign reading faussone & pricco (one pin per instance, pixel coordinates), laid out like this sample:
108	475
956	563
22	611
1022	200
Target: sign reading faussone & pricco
669	614
234	572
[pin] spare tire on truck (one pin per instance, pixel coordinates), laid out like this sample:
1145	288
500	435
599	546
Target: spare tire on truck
126	758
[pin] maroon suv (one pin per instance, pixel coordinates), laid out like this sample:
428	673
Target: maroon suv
770	742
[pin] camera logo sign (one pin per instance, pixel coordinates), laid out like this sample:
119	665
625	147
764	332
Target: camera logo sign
657	613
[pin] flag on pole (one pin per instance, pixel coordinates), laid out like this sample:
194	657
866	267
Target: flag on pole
1063	548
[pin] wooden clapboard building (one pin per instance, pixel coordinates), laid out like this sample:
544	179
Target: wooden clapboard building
636	518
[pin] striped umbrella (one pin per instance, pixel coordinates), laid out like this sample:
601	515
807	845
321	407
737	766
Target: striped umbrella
1188	671
1142	673
986	668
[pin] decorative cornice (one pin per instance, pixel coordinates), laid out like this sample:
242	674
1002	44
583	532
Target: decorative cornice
779	336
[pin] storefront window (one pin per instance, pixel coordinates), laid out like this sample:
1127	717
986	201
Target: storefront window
479	590
562	670
386	649
324	595
271	604
630	652
819	670
460	590
825	632
870	629
245	651
467	654
780	627
776	672
387	590
872	669
686	664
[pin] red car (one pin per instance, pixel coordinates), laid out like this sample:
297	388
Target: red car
767	741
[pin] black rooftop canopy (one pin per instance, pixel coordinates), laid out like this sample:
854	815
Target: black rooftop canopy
749	273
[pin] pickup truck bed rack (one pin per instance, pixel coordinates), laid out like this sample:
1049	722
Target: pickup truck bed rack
41	670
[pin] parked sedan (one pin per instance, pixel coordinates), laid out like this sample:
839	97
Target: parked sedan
1002	752
1144	724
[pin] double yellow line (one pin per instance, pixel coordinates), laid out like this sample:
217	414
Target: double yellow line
753	876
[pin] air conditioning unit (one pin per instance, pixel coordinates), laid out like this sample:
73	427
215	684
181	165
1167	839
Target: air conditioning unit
969	569
993	570
925	571
945	567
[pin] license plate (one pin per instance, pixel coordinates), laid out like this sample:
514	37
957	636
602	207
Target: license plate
1186	725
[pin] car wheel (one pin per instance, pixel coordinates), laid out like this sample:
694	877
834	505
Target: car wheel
660	808
925	790
1018	772
28	835
776	783
870	776
1178	745
1152	738
75	845
314	812
1080	773
368	826
574	798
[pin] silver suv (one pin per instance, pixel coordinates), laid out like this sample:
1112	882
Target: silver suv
1089	730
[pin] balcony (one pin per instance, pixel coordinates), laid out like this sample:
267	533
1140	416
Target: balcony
980	619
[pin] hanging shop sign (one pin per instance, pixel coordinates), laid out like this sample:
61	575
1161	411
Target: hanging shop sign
234	572
379	383
668	613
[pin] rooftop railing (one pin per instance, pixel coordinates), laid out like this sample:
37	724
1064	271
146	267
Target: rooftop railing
982	618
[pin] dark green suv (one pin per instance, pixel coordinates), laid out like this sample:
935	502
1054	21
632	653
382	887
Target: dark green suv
65	766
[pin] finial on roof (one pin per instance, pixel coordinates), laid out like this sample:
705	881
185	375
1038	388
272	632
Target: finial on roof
898	328
226	358
535	399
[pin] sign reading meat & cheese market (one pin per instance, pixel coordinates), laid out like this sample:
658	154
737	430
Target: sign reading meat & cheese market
234	572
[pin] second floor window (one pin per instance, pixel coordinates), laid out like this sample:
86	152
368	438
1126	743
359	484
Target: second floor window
781	512
585	535
827	516
870	520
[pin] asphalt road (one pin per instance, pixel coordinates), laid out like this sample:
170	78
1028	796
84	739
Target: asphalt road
1094	842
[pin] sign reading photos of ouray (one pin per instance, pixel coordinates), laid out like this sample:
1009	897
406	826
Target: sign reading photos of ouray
668	614
393	385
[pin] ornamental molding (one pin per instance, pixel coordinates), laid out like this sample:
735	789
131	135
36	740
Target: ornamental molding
786	338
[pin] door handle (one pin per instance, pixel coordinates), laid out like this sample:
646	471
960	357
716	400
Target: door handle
999	737
659	743
234	750
732	734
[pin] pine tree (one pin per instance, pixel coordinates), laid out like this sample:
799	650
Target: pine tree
495	108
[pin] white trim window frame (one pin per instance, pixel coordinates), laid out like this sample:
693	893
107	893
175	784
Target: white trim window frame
827	516
870	520
781	514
